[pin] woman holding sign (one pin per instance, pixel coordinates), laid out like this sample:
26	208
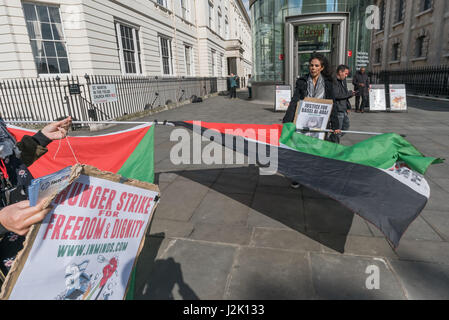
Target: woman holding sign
317	84
16	215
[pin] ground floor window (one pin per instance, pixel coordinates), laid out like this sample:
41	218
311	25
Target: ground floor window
47	39
129	48
166	55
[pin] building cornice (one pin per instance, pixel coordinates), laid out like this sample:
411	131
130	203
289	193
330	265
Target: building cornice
245	14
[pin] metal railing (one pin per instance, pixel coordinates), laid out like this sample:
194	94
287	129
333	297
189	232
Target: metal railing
49	99
428	81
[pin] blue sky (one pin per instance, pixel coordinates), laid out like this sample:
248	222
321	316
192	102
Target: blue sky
246	3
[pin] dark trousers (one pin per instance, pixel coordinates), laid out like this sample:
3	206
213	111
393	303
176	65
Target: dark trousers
364	103
250	93
343	125
233	92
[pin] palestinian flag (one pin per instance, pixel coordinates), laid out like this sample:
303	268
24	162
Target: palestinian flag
129	153
380	179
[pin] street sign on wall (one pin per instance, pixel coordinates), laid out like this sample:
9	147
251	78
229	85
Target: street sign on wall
103	93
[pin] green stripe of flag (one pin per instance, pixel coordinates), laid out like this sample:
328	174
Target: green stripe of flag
140	164
381	151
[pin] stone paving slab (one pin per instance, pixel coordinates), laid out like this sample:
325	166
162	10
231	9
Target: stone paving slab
190	271
171	228
341	277
231	234
353	245
266	274
421	230
226	209
285	240
439	220
423	281
286	210
182	206
424	251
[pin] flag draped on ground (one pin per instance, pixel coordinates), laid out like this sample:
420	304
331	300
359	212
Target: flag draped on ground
380	179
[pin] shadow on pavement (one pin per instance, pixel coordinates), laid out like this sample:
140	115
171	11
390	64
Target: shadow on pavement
428	105
156	278
311	214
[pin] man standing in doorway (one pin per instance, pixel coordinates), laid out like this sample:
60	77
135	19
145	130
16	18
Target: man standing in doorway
233	85
361	87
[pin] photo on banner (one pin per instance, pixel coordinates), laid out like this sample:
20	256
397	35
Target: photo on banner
88	245
313	114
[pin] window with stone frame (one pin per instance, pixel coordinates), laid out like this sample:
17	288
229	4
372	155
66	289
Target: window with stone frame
426	5
378	55
162	3
421	44
396	51
166	55
45	30
419	48
399	11
382	14
128	44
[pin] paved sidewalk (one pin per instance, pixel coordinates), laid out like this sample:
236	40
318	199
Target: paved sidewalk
224	232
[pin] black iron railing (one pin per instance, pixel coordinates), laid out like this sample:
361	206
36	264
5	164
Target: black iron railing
427	81
49	99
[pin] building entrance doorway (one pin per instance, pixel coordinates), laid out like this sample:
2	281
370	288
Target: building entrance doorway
320	38
306	34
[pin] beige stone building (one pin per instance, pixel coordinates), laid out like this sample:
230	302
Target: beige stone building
169	38
412	33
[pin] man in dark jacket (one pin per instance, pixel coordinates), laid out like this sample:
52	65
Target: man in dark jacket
16	215
342	96
361	87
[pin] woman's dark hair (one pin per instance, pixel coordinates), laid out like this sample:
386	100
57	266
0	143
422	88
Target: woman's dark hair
327	73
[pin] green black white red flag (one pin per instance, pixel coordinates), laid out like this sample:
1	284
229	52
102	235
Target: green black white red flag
380	179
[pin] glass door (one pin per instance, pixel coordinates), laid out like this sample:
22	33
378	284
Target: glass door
311	38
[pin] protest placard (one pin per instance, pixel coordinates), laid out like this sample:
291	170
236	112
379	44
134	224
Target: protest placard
87	246
398	97
313	114
377	100
283	97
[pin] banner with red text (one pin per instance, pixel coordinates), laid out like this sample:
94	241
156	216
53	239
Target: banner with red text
86	248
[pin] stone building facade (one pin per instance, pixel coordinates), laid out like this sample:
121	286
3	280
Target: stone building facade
412	34
169	38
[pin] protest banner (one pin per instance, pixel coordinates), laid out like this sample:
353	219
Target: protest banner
87	246
377	100
313	114
103	93
398	97
283	98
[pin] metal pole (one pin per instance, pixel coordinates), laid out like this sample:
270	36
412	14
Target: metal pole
159	123
304	130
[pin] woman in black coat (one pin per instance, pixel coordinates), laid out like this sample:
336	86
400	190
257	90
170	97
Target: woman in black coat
317	84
